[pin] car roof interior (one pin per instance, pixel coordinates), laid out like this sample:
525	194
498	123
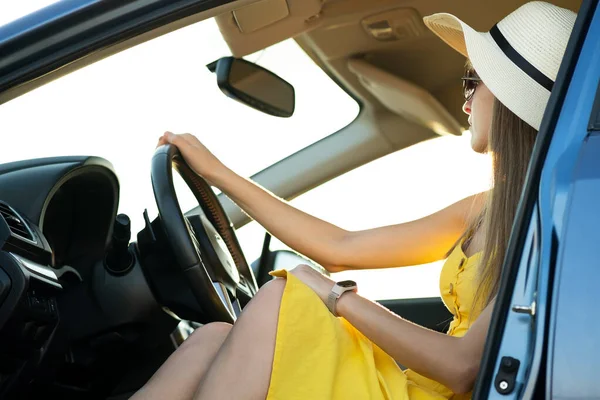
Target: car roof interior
371	46
405	78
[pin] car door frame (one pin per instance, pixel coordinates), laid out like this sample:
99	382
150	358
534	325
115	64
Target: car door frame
531	259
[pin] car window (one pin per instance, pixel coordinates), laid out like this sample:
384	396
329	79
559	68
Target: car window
118	107
400	187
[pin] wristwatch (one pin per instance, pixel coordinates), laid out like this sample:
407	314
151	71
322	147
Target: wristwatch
337	291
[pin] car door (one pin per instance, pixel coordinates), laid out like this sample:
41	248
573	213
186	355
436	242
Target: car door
543	341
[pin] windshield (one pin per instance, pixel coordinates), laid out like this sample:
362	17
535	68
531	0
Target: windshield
118	107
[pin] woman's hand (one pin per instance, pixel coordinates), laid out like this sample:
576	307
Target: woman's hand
198	157
318	282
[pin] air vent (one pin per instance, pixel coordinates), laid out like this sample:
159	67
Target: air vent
16	224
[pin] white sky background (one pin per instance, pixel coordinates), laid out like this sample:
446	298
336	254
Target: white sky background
118	107
12	10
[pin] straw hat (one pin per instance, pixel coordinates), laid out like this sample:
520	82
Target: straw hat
519	57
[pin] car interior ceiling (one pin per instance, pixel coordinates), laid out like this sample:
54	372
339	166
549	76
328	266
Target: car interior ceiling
387	35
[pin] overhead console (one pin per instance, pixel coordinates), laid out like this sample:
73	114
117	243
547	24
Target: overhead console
266	22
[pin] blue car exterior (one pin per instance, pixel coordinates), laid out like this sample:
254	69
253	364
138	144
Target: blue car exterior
548	344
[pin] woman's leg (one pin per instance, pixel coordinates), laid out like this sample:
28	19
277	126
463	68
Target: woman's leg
242	367
178	377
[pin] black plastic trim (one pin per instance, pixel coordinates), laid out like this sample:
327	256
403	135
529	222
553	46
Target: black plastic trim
5	285
265	261
594	124
429	312
19	285
529	199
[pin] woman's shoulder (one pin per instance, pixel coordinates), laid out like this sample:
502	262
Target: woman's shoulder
470	208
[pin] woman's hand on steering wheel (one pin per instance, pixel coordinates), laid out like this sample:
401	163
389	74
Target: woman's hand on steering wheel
195	154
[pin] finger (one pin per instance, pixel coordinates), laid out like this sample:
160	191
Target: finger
172	138
162	137
161	141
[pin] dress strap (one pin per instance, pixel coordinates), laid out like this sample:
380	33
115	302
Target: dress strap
469	236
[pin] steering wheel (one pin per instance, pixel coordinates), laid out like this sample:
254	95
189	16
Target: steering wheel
204	245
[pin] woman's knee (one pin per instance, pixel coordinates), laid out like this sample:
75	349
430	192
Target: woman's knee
210	334
271	291
266	301
275	286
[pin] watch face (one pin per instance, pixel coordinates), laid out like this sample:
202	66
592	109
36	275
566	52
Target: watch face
347	284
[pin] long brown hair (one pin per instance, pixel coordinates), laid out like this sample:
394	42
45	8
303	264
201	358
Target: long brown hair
511	143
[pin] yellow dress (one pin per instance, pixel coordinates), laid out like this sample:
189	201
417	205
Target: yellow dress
318	356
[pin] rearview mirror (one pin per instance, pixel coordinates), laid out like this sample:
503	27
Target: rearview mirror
254	86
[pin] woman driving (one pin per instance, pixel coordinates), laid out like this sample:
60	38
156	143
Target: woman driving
304	336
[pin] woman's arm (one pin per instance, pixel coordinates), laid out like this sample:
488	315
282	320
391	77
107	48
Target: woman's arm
417	242
452	361
412	243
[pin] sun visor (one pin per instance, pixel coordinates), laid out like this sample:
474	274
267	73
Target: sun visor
266	22
405	98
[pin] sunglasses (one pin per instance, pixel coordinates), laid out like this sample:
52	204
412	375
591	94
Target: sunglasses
469	83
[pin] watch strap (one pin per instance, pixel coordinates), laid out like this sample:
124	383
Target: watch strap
336	292
332	300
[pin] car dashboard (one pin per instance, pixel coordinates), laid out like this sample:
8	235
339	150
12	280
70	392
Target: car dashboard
64	320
